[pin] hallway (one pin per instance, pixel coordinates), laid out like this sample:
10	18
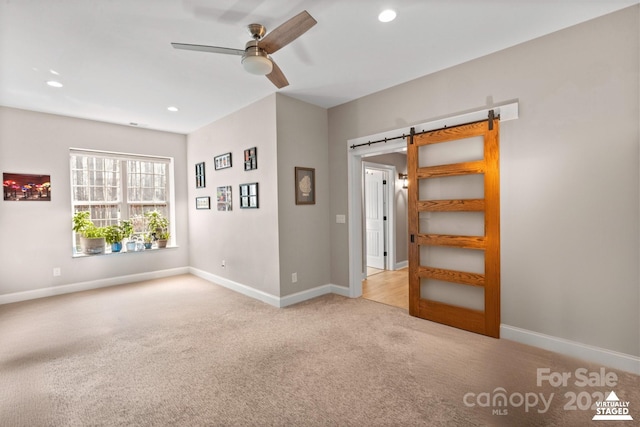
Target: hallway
389	287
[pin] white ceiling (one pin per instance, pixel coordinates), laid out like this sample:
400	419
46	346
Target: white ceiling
117	65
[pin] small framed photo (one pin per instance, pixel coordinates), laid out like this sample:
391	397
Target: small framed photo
224	198
200	175
203	202
222	161
305	181
251	159
249	195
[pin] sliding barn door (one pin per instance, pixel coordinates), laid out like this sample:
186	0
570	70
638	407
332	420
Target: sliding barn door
454	226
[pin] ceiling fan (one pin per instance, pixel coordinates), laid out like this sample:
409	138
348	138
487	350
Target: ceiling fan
255	55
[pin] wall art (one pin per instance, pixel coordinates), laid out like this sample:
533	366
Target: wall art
203	202
224	198
222	161
305	181
26	187
200	175
251	159
249	195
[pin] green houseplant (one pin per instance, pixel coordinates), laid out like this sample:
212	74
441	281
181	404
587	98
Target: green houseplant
114	235
127	231
158	227
148	240
92	238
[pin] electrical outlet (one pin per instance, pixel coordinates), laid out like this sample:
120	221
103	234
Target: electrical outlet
57	272
224	264
294	277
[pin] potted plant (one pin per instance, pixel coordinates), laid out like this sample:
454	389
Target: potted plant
148	240
163	238
127	232
113	235
158	227
92	238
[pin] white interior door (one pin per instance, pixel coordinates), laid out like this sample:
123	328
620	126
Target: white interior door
375	218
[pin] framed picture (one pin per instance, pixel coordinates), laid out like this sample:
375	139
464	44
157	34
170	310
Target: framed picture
251	159
25	187
249	195
222	161
224	198
203	202
305	186
200	182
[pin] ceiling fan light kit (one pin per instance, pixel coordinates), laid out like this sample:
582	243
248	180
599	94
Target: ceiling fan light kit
256	61
255	56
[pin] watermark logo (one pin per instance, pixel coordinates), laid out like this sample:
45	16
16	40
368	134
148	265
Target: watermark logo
606	407
499	401
612	408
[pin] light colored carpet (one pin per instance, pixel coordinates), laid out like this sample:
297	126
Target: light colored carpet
184	352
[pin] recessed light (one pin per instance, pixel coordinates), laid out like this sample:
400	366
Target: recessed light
54	72
172	109
54	83
387	15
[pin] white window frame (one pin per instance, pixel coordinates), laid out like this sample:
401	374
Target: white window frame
123	203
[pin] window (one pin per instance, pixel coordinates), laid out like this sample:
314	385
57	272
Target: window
116	187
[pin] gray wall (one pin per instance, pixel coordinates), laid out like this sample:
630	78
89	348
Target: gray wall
304	242
37	236
263	247
569	173
247	239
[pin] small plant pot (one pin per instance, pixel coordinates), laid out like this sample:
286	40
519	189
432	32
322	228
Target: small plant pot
116	247
147	245
162	243
131	246
92	246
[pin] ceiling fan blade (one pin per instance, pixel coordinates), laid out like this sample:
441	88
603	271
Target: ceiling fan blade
287	32
204	48
277	77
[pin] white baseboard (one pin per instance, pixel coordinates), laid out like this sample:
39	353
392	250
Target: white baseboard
238	287
93	284
312	293
616	360
624	362
400	265
268	298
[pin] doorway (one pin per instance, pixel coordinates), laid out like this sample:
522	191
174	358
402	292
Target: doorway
378	193
385	229
357	154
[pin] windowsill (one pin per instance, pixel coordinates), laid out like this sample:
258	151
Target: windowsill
122	252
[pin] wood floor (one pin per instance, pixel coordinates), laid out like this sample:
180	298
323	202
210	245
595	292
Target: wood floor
388	287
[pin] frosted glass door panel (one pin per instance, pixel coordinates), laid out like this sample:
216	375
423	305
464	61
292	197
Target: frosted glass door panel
452	187
458	151
460	259
452	293
452	223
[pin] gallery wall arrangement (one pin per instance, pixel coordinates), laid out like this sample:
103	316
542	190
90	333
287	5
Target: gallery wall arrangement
304	180
224	201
